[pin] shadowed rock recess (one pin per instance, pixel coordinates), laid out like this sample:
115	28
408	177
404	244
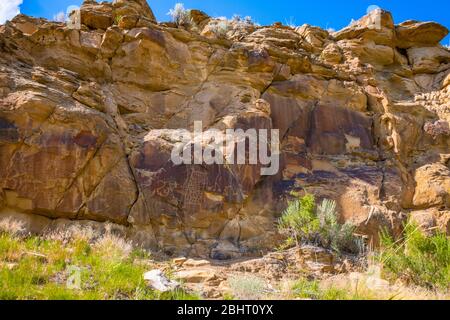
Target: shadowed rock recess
363	115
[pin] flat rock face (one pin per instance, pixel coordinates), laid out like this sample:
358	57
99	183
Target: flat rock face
88	121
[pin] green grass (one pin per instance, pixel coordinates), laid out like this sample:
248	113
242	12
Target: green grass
311	289
38	268
418	258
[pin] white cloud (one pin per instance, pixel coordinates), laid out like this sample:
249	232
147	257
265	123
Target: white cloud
59	17
9	9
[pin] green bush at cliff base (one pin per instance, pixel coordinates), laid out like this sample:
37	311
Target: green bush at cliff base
304	222
420	259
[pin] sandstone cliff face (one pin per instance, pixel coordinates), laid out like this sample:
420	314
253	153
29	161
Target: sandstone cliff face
363	114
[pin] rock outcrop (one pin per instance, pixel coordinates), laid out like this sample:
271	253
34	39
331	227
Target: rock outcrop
87	119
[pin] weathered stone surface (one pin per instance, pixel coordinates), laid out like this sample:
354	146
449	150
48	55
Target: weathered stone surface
196	275
158	281
96	16
338	131
432	186
88	120
428	59
316	259
136	8
414	33
432	220
377	26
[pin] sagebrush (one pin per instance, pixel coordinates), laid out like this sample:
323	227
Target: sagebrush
304	222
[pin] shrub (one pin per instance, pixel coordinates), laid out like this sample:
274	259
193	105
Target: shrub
305	223
220	28
305	289
248	287
337	236
423	260
299	220
180	16
238	25
291	23
118	19
240	22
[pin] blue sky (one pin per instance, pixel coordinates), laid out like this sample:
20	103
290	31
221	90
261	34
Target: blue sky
323	13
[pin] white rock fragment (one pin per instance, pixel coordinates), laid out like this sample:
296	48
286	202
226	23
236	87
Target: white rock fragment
158	281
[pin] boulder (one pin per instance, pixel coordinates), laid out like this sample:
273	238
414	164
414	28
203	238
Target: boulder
96	16
332	54
191	263
425	219
133	8
158	281
432	220
377	26
419	34
316	259
432	186
196	275
428	59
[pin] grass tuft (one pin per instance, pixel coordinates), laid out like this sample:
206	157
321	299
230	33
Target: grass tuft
417	258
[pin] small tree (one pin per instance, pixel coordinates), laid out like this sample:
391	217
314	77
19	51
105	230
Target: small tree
180	16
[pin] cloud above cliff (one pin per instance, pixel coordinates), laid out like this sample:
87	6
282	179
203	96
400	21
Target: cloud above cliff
9	9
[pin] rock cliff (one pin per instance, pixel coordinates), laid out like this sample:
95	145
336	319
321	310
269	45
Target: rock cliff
363	115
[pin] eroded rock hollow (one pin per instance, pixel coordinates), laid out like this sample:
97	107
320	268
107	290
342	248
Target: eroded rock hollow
363	115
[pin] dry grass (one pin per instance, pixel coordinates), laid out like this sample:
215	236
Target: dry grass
367	287
12	226
113	245
355	286
107	266
248	287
